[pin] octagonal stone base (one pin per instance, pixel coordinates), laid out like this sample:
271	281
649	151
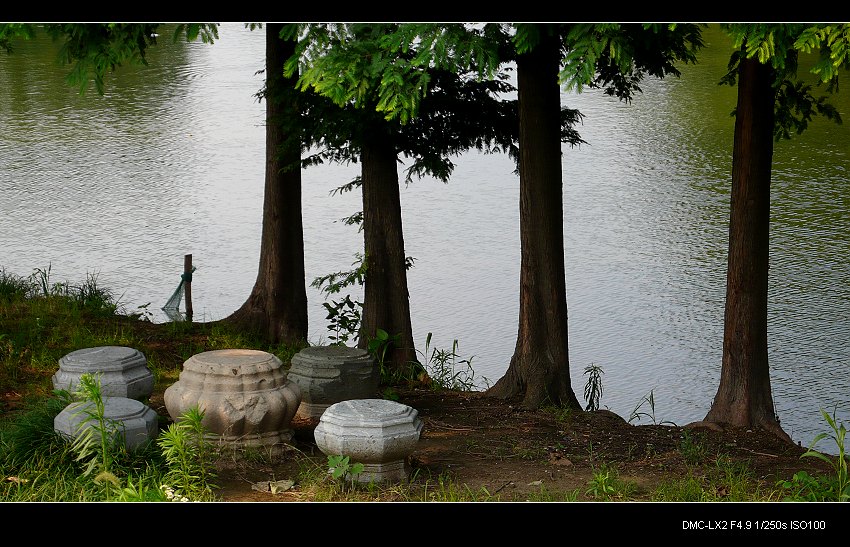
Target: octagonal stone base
378	433
134	421
244	394
330	374
123	371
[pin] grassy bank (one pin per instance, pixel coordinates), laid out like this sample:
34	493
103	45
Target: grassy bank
41	321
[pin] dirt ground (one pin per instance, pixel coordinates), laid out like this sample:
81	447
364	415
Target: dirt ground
505	453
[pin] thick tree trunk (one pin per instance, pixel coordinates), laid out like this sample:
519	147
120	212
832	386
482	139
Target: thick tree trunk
539	370
386	304
277	305
744	398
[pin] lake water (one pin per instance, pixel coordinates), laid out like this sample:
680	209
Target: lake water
170	162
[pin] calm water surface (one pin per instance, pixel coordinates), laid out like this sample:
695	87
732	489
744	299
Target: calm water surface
170	161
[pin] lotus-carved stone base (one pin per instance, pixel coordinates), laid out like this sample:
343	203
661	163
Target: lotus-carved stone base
244	394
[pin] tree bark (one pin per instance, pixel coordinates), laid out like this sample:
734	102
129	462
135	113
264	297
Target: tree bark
744	397
277	305
386	303
539	369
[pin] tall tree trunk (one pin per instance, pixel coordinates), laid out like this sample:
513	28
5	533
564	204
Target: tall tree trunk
386	304
744	398
277	305
539	370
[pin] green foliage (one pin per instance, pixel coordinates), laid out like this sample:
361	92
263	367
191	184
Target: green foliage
31	436
341	467
638	414
345	63
188	455
13	287
616	57
333	283
389	393
87	295
832	41
41	465
446	490
805	487
442	368
692	448
795	108
691	488
545	495
390	67
593	387
97	439
378	346
377	75
139	491
726	480
13	31
763	41
40	278
605	485
779	46
343	315
343	319
841	481
600	485
98	49
208	32
37	331
561	414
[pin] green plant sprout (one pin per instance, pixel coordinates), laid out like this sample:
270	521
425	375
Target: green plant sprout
188	454
593	387
637	414
442	367
340	466
839	463
97	437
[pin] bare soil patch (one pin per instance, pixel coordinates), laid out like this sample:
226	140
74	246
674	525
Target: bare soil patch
513	454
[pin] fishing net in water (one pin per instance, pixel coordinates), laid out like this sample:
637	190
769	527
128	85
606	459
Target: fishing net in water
172	306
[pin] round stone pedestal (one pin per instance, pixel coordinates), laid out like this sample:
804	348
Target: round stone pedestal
134	421
378	433
330	374
123	371
244	394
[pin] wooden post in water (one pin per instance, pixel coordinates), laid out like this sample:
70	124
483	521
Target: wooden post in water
187	285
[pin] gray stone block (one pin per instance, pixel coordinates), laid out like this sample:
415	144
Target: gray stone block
330	374
123	371
378	433
133	420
